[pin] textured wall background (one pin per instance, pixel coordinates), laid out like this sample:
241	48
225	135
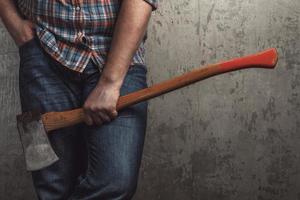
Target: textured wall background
233	136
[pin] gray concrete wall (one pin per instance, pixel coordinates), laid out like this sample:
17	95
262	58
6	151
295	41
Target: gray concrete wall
233	136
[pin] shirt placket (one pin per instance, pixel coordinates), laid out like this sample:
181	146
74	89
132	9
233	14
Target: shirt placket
79	22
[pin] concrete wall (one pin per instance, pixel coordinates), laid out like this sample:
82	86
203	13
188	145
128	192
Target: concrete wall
233	136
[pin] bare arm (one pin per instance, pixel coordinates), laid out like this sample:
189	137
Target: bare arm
129	30
21	30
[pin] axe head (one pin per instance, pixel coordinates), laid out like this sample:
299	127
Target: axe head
36	146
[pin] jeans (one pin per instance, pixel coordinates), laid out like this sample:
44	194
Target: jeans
96	162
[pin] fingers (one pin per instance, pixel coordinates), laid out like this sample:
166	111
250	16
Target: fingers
99	117
87	118
112	114
97	120
103	116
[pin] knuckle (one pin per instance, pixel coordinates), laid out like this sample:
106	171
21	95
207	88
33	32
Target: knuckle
88	121
102	109
115	114
86	107
111	109
94	108
108	118
105	118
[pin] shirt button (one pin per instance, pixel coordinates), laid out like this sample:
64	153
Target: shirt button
83	39
77	8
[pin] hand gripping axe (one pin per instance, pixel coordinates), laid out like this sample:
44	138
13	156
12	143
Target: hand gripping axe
34	126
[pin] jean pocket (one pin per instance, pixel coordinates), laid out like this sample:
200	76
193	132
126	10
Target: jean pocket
33	64
30	48
136	77
138	67
25	44
31	51
135	80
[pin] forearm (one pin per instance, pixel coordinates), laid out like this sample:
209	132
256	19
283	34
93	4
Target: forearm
129	31
9	15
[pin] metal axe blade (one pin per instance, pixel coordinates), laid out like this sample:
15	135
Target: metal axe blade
36	146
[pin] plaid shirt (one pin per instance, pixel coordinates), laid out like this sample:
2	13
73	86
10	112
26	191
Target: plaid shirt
75	31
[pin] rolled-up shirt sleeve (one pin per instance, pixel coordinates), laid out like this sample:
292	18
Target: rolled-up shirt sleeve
153	3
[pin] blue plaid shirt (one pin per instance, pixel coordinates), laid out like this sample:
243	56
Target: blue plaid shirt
75	31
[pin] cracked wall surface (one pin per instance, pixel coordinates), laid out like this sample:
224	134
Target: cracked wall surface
235	136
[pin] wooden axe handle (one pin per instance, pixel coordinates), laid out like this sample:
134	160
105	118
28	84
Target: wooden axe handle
265	59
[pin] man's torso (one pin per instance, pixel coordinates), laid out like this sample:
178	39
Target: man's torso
75	31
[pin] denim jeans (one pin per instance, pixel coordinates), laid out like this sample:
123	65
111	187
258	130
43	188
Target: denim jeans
96	162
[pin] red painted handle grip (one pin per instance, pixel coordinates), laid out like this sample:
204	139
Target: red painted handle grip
265	59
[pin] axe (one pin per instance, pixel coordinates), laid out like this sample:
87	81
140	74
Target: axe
34	126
